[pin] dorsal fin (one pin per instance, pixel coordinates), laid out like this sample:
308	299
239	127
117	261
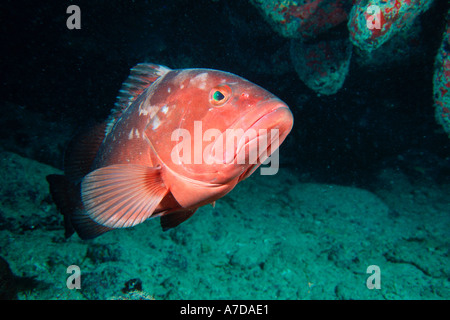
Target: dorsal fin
141	77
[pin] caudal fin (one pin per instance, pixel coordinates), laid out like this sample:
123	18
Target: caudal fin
61	195
67	199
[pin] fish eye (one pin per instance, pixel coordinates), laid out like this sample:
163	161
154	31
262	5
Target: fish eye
219	95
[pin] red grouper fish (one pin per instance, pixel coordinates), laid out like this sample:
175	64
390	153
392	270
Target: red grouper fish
176	140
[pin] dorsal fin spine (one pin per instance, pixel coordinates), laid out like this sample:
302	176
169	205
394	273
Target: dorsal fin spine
141	77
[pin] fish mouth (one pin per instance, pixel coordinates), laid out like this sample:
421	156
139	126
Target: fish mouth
265	135
258	133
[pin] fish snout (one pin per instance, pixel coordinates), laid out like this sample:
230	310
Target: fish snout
274	114
265	130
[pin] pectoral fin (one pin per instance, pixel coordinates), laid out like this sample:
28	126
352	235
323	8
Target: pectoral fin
122	195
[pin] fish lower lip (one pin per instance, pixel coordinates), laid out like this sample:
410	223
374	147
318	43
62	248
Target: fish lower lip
253	134
242	144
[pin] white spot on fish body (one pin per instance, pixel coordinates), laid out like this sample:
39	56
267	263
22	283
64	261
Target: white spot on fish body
200	80
148	110
156	122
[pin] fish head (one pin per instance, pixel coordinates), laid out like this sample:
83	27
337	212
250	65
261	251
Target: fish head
217	128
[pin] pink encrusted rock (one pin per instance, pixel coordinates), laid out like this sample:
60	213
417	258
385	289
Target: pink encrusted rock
407	47
303	19
441	81
323	65
373	22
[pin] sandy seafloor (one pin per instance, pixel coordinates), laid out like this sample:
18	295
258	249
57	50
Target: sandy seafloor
272	237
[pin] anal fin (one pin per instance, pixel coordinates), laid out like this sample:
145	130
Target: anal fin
173	219
85	227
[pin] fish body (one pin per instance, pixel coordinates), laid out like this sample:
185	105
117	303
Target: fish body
176	140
